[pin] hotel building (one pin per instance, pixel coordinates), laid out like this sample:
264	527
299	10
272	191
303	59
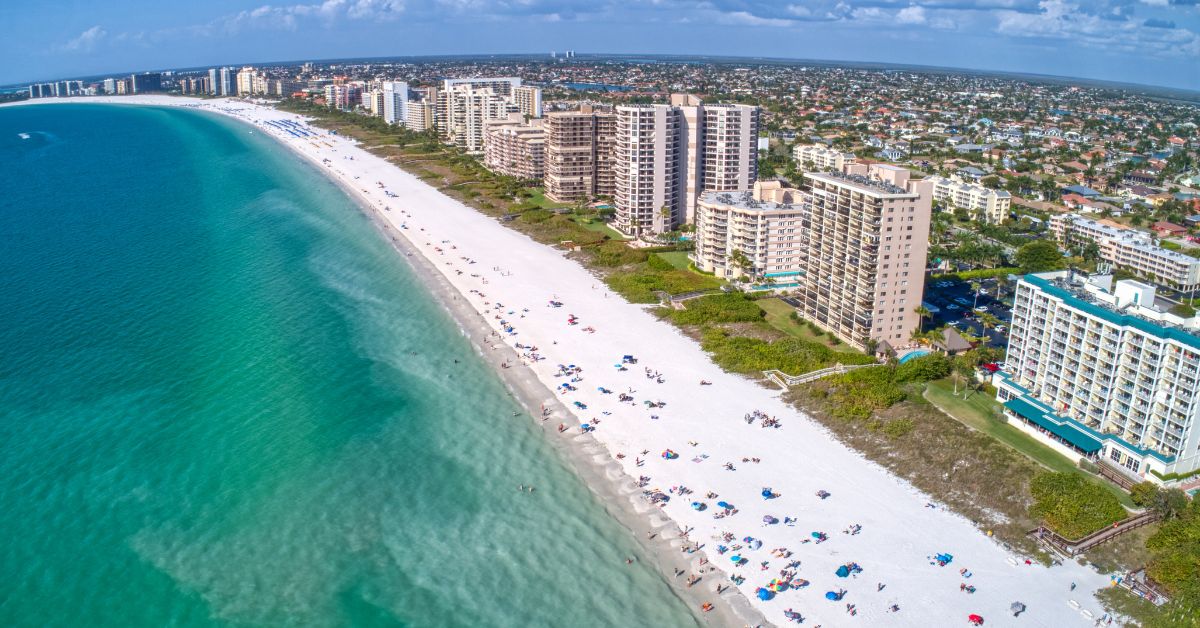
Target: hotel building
983	203
866	236
1104	372
666	155
579	146
1130	249
515	148
822	158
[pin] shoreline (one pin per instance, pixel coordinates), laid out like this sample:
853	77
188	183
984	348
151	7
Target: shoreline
901	528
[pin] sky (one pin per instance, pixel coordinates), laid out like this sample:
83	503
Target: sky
1155	42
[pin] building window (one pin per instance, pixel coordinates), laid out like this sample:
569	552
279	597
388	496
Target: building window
1115	454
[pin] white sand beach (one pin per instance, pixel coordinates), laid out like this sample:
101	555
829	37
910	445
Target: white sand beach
512	280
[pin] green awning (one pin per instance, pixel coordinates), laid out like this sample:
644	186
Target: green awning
1062	427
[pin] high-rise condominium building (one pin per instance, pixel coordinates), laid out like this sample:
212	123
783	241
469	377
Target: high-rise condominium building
983	203
214	81
516	148
665	155
822	158
245	81
579	146
420	115
1104	372
146	82
753	233
228	82
865	239
1129	249
465	107
528	100
345	96
395	102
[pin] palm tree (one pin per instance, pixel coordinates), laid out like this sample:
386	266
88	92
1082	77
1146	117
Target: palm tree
975	286
924	313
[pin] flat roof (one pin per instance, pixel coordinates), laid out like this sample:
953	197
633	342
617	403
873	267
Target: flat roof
870	186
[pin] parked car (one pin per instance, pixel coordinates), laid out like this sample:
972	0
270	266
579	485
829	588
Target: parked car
953	307
981	308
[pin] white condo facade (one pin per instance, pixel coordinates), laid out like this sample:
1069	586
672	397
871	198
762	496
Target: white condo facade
1104	371
395	102
983	203
822	158
1130	249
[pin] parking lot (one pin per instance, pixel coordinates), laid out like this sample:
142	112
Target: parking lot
956	305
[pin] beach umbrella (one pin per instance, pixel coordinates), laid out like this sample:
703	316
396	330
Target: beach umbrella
1017	608
817	535
766	492
975	619
755	544
764	594
736	558
832	596
842	572
724	505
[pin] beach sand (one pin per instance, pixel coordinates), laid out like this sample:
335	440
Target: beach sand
473	263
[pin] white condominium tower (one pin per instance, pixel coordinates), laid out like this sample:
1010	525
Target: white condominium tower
1104	372
395	102
666	155
465	104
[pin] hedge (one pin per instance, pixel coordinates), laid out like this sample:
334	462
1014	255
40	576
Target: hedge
981	273
733	307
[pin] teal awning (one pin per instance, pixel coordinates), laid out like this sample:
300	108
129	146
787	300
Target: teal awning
1061	427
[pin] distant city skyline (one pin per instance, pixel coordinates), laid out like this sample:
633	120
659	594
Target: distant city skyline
1152	42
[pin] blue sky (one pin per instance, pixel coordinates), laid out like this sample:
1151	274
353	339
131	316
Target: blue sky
1142	41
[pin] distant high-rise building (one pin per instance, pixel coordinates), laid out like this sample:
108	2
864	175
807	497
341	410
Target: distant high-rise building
395	102
579	158
420	114
465	105
145	83
228	82
666	155
110	86
62	89
515	148
528	100
214	81
245	81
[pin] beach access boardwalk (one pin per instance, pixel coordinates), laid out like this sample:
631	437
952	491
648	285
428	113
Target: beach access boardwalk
785	381
1069	548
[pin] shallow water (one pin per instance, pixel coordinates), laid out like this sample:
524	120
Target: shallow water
224	400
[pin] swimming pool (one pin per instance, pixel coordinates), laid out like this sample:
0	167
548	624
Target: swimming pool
914	355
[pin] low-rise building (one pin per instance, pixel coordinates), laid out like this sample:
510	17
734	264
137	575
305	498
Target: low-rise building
1104	371
753	233
983	203
1130	249
822	158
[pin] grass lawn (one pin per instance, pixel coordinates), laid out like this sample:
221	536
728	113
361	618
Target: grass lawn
979	411
539	199
678	259
597	225
779	316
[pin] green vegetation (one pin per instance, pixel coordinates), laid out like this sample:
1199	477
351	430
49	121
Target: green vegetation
1183	309
740	354
982	273
1175	564
640	285
733	307
1168	477
1072	506
1039	256
678	259
783	317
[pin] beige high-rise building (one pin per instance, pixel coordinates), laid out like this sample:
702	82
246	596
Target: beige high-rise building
579	147
760	224
515	148
865	241
245	81
419	115
666	155
528	100
466	108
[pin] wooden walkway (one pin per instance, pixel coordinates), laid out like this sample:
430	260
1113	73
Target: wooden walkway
784	380
1073	547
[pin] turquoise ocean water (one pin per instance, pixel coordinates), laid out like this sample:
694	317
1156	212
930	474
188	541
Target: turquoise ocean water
225	401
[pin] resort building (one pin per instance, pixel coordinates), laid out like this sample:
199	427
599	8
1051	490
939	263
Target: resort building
862	255
1130	249
528	100
465	105
579	147
752	234
1104	371
515	148
983	203
822	158
666	155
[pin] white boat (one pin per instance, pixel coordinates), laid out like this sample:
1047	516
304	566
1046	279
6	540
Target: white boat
23	136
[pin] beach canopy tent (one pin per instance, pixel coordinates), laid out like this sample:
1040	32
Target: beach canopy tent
833	596
1017	608
975	619
765	594
843	572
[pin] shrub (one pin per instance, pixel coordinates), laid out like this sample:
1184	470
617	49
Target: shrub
656	262
612	254
1144	493
790	355
733	307
981	273
898	428
1071	505
923	369
1175	551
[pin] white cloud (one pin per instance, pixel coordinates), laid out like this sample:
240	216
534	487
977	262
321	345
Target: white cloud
911	15
286	17
86	40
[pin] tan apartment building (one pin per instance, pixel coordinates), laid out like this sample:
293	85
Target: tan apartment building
515	148
419	115
866	237
983	203
822	158
666	155
467	108
579	147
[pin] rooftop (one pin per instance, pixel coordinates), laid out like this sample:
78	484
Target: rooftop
862	183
